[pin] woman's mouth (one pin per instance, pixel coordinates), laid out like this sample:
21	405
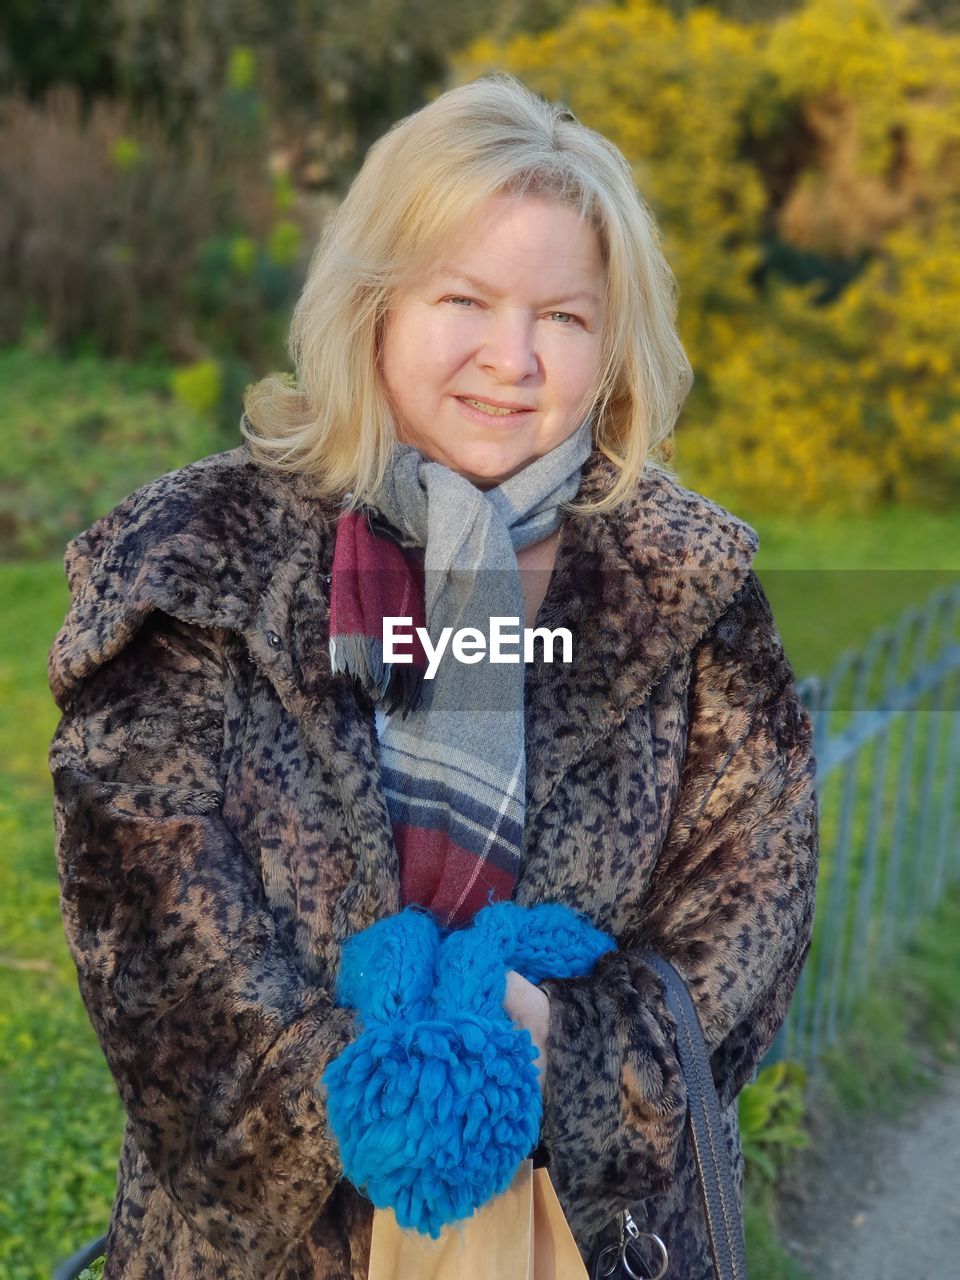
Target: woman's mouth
491	410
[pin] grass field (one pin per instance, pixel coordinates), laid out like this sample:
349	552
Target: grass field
60	1120
831	582
80	434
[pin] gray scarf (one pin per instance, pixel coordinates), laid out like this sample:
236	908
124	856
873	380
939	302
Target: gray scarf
453	768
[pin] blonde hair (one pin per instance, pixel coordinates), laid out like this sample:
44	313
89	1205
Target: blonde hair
418	184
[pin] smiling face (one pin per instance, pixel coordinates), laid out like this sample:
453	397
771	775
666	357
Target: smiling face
510	317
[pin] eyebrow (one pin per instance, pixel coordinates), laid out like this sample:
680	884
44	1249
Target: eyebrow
586	294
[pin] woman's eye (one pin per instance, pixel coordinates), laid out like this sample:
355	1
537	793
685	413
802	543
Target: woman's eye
566	317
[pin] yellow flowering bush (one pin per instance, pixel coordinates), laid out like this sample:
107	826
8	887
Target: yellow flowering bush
805	175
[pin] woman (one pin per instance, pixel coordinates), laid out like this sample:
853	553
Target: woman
486	360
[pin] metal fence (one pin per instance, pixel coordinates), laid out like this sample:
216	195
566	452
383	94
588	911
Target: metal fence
887	742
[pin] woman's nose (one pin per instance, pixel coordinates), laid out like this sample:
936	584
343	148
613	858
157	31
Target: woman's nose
509	349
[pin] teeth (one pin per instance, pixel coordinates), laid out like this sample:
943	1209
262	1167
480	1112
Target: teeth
491	409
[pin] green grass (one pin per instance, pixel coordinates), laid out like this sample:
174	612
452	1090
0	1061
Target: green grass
897	538
80	435
873	1067
900	894
832	581
60	1118
766	1259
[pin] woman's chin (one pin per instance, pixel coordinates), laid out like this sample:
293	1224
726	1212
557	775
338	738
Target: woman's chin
484	465
487	473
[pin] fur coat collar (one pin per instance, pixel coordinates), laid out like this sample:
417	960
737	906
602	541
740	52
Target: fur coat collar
219	542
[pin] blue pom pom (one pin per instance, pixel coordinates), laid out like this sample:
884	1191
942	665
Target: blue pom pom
438	1116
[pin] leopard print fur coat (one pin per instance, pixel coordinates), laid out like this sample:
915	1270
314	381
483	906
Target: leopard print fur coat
221	830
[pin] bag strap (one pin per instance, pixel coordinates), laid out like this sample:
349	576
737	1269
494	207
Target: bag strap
724	1221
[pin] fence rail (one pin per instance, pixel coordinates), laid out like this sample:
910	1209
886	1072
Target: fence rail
887	743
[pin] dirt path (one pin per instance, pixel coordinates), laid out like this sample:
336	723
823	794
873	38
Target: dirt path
882	1203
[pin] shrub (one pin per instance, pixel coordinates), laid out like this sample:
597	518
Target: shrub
805	174
109	228
771	1112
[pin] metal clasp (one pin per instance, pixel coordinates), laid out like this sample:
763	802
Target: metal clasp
635	1234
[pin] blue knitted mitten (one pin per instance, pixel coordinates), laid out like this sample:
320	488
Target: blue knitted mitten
437	1102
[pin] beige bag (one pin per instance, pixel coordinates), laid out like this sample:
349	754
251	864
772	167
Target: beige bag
519	1235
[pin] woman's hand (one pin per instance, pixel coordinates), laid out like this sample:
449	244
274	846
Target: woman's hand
529	1007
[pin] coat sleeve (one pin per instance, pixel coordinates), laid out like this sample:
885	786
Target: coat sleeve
730	904
215	1040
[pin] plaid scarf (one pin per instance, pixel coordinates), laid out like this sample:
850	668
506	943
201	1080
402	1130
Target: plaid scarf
435	548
